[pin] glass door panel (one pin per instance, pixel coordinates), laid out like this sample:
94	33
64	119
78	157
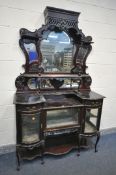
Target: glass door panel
91	120
62	117
30	128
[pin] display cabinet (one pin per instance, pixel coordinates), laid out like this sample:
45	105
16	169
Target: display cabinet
55	107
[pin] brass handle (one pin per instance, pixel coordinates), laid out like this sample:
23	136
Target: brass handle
33	118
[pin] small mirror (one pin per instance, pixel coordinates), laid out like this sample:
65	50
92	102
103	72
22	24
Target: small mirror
57	52
59	83
31	51
33	83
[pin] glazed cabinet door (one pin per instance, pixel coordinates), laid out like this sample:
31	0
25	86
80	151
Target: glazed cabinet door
92	120
29	128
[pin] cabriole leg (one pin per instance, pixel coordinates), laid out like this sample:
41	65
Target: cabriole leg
42	156
78	154
97	140
18	160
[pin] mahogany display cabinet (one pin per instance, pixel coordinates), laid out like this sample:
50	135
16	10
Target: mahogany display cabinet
56	111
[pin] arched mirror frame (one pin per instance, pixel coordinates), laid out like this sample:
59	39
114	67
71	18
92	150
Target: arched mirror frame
57	51
28	37
56	29
78	39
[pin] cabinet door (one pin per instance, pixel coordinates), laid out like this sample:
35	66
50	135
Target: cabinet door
92	117
62	118
30	128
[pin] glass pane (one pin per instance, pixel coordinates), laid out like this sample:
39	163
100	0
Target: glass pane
32	52
30	128
65	83
91	120
63	117
57	51
34	83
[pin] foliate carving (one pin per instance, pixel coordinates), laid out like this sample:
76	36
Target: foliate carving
95	103
81	54
35	68
62	23
20	82
26	33
84	39
41	30
88	39
77	70
85	83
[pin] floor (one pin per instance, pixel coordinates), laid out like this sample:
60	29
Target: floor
89	163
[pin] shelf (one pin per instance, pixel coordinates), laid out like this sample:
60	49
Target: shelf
28	98
59	150
45	75
89	128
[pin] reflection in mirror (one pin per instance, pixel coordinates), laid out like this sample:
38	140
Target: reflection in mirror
75	82
65	83
31	51
34	83
70	83
57	52
45	83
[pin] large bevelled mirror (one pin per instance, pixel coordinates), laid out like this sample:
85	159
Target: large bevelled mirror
57	52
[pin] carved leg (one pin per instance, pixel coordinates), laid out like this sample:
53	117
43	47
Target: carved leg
18	160
42	159
78	154
42	156
97	140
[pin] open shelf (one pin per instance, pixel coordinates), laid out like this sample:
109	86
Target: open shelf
89	128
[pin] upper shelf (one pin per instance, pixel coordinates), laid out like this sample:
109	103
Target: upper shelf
55	75
90	95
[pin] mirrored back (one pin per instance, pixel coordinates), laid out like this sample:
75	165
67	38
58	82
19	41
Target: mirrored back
57	52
